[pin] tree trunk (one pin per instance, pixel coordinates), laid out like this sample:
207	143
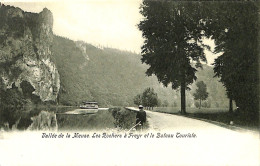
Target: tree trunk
230	105
183	102
200	104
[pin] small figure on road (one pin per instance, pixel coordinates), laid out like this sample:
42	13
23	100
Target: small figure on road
140	117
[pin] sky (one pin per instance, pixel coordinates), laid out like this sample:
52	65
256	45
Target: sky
109	23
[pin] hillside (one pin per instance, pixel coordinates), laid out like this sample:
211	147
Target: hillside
113	77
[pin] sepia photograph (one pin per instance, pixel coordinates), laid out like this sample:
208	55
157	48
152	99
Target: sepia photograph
129	82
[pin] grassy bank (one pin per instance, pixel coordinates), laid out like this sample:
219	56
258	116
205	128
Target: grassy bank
226	118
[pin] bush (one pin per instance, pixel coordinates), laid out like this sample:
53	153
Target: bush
124	119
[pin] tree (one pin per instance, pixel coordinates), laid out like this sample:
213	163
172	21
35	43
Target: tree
201	93
12	103
149	98
173	39
138	99
236	36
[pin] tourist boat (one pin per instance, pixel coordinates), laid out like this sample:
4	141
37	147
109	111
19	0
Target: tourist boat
89	105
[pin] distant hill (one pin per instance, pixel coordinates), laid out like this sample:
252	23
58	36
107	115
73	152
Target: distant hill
113	77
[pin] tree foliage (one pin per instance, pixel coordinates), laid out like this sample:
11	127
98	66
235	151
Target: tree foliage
173	39
11	102
173	31
201	93
234	27
148	98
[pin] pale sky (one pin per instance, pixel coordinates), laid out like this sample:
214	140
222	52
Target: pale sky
111	23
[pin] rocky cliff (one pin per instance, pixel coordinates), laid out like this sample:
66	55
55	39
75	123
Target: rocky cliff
25	41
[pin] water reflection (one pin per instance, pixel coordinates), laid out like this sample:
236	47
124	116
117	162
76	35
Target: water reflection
66	118
22	118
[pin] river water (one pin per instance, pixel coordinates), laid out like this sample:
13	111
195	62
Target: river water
53	118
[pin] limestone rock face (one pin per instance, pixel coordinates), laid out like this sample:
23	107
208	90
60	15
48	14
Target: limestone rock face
82	47
25	41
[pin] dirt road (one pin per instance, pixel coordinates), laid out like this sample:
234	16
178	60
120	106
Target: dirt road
163	122
168	122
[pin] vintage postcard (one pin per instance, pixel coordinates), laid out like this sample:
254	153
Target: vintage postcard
129	82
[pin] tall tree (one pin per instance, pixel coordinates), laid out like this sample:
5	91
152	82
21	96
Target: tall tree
173	39
201	93
234	27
